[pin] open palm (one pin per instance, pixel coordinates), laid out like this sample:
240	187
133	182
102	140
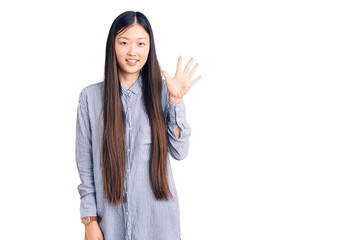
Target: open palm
179	85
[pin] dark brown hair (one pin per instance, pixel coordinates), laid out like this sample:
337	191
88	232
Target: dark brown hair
113	152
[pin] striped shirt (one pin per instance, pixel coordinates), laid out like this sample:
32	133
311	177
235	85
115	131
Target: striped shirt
142	216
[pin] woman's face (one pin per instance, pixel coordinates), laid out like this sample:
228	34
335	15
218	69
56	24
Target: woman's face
132	44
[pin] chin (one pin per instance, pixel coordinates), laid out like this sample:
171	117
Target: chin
132	71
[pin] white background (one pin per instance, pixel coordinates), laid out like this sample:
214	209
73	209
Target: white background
274	144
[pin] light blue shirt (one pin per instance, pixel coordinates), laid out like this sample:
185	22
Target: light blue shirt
142	216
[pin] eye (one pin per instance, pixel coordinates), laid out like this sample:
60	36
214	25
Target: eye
143	43
123	42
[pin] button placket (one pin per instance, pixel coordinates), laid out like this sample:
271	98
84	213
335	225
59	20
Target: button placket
129	115
128	159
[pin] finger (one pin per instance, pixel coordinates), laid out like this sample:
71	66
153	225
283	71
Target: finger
179	64
166	75
100	237
193	70
163	73
186	69
196	80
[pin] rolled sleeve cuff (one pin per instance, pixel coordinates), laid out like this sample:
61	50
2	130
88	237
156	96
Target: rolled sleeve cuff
176	112
88	205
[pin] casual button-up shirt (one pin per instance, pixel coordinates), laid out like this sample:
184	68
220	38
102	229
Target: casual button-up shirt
141	216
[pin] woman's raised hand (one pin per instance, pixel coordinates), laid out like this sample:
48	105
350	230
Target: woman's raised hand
179	85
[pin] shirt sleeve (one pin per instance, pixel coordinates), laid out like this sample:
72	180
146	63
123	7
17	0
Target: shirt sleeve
175	115
84	159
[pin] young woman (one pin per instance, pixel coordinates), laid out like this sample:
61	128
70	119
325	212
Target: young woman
127	126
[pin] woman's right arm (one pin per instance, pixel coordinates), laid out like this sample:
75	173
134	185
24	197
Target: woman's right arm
84	163
93	231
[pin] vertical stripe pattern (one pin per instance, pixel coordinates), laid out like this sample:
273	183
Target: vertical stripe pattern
141	216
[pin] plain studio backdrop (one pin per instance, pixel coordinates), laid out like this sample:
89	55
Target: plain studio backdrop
274	144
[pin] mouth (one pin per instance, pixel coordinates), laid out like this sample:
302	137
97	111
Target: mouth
131	62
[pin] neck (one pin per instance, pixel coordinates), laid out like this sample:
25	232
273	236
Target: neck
128	79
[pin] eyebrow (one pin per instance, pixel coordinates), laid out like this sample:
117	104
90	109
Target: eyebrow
137	38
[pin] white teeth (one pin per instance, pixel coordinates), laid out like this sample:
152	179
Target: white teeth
132	61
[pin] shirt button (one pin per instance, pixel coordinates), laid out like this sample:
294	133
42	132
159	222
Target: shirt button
129	109
177	108
128	149
128	170
178	119
126	192
127	213
129	128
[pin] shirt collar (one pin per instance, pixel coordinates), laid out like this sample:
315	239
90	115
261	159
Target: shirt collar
136	88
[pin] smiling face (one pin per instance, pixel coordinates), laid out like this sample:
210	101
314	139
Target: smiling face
132	47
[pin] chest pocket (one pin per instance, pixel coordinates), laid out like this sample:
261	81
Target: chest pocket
145	134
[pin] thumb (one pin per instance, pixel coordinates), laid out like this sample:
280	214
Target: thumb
165	74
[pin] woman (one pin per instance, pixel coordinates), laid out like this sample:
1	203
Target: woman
127	126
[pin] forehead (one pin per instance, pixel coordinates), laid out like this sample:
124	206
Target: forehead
134	32
139	38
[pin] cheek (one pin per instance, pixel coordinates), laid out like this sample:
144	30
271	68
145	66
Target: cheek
119	53
144	53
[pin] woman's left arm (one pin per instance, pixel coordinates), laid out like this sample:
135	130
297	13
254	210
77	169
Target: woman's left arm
178	130
177	126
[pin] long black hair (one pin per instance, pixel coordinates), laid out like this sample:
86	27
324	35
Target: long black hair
113	153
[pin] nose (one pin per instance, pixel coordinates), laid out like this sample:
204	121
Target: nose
131	50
